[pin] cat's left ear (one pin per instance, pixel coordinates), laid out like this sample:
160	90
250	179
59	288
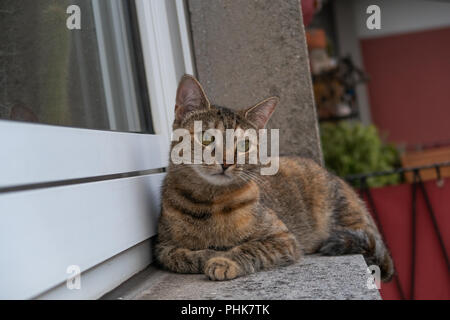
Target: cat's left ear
190	97
261	112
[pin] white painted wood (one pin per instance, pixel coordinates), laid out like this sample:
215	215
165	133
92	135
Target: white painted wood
34	153
42	232
106	276
157	100
163	57
185	36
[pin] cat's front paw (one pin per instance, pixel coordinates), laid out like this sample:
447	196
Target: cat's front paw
221	268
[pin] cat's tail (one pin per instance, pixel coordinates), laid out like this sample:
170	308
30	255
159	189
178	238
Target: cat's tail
369	244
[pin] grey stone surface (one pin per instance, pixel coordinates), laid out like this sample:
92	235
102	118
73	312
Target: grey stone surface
247	50
315	277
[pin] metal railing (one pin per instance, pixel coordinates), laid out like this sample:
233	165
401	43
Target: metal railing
417	185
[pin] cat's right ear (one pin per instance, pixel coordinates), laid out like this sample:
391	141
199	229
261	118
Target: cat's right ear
190	97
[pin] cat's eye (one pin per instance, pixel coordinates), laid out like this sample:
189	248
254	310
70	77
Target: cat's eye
207	138
243	146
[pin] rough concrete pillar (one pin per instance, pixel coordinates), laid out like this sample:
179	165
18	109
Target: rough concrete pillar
247	50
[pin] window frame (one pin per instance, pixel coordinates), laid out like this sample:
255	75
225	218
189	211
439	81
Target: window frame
41	155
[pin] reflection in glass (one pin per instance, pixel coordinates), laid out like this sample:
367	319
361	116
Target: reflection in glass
89	78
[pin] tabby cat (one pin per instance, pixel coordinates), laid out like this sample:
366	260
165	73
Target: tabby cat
226	220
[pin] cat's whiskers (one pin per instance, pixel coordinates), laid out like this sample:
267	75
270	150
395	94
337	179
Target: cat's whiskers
253	176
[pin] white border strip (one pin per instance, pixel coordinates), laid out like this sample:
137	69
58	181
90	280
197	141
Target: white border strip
161	48
35	153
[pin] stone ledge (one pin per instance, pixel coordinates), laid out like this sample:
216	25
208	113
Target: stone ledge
316	277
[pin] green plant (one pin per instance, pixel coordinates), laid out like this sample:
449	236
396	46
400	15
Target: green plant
352	148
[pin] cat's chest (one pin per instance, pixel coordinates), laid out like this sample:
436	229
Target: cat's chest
223	221
220	230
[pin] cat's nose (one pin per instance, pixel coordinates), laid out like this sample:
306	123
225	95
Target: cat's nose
225	166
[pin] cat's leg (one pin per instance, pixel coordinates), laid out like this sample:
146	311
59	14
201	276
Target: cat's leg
183	260
274	250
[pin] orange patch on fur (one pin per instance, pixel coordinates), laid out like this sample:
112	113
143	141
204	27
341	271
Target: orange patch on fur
249	191
237	221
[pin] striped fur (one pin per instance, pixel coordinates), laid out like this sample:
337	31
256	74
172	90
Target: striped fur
255	222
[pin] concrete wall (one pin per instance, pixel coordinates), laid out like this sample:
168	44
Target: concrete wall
247	50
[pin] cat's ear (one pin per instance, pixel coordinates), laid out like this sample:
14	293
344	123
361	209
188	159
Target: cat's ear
261	112
190	97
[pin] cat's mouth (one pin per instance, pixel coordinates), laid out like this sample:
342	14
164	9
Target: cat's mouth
222	174
222	177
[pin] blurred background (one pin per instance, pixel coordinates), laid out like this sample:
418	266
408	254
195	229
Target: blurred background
383	103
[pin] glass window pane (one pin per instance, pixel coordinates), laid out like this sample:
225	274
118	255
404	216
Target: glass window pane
89	78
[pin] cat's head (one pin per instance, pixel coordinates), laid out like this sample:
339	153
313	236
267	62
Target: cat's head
193	108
